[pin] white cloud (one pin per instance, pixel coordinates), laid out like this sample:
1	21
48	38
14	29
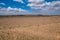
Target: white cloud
52	8
35	1
15	9
19	1
38	6
46	8
46	5
12	11
2	3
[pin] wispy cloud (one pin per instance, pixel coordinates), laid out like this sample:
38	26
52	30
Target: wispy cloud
19	1
2	3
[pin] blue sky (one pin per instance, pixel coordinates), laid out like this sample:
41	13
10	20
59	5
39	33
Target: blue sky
14	4
18	7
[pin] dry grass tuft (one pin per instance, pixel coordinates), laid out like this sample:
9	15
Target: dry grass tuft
30	28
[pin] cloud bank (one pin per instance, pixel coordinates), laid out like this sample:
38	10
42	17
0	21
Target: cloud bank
13	11
40	7
46	8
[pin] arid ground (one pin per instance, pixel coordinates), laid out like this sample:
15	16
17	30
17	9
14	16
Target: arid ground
30	28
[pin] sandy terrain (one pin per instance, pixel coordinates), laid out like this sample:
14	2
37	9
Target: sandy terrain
30	28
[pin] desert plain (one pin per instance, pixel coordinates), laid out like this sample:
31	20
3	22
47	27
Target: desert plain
30	28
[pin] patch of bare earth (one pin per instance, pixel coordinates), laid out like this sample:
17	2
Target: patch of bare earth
30	28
